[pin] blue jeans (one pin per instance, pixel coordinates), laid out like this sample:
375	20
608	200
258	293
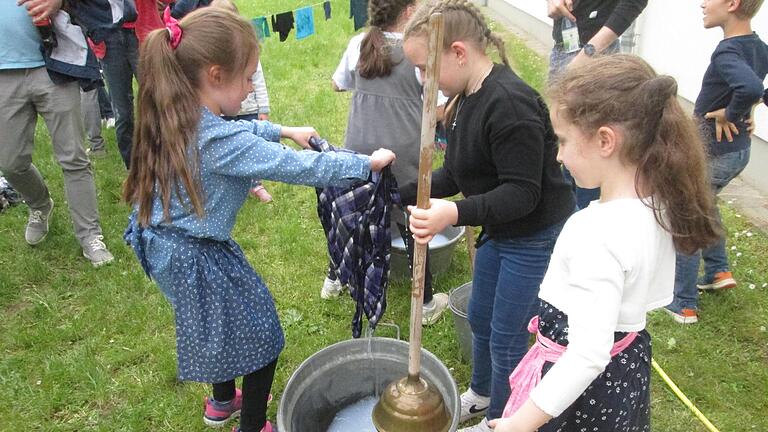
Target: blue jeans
120	66
723	169
505	286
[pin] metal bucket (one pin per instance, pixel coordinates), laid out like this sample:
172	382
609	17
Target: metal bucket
349	371
458	301
440	252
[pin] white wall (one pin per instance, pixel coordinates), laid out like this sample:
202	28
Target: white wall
534	8
670	36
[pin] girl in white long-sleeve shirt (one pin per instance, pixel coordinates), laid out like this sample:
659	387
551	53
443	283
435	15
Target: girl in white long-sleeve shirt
620	128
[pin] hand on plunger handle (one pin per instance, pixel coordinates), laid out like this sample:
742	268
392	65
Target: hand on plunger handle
425	223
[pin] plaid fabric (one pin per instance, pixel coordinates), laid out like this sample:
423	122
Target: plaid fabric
356	221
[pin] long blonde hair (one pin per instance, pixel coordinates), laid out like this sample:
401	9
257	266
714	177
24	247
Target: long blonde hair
660	139
164	156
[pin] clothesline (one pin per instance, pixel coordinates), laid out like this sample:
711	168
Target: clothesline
302	19
320	3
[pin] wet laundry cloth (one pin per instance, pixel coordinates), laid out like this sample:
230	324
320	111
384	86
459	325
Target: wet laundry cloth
356	221
282	24
358	11
305	23
327	10
262	27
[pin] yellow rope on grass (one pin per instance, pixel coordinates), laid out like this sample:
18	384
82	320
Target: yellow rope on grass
683	398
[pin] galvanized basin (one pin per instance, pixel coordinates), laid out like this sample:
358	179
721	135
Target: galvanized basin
348	371
440	252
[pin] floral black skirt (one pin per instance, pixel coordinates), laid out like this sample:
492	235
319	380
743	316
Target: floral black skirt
619	399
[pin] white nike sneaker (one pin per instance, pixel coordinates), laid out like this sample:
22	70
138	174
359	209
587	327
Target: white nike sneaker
473	405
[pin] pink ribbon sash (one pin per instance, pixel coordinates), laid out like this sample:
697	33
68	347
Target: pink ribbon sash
527	374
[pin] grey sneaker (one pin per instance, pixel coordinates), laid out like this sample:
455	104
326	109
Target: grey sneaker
432	311
95	250
37	225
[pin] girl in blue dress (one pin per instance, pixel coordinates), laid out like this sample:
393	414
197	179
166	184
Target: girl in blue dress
190	175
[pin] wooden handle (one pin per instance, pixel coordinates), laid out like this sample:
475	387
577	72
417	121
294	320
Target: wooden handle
428	123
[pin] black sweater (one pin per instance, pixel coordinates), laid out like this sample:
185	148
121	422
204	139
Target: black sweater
501	157
617	15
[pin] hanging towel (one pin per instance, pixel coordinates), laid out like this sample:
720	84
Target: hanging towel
358	11
261	26
327	10
305	23
356	221
282	24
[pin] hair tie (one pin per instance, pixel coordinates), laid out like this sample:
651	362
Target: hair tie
487	33
173	27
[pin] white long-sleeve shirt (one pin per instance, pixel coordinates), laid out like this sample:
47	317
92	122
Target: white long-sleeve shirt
257	101
611	264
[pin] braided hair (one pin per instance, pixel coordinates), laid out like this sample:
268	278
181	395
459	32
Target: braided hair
463	21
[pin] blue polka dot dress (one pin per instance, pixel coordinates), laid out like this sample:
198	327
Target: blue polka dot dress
619	399
226	321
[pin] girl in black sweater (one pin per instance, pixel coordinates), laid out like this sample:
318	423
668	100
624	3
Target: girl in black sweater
501	157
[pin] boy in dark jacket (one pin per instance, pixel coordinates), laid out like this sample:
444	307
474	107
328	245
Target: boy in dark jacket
732	86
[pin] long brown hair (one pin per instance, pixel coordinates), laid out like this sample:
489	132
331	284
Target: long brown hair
374	59
164	154
462	21
659	138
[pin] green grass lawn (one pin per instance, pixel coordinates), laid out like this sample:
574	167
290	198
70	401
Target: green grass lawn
84	349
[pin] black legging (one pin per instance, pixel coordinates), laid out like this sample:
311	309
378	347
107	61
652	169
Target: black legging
256	388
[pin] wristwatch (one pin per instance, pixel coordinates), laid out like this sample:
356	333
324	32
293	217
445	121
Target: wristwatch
589	50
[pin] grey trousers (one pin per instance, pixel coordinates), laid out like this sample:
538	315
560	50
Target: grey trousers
25	93
89	105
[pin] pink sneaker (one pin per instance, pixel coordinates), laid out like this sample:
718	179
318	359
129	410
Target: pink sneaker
261	193
218	413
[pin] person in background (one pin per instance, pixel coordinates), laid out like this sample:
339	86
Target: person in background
386	107
255	106
732	85
582	29
26	91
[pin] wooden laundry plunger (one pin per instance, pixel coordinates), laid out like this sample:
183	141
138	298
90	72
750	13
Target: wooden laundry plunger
411	403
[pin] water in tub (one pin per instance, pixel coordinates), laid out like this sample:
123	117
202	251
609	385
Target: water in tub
355	417
438	241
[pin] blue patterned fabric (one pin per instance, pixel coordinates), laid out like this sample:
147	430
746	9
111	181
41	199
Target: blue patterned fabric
226	322
356	221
